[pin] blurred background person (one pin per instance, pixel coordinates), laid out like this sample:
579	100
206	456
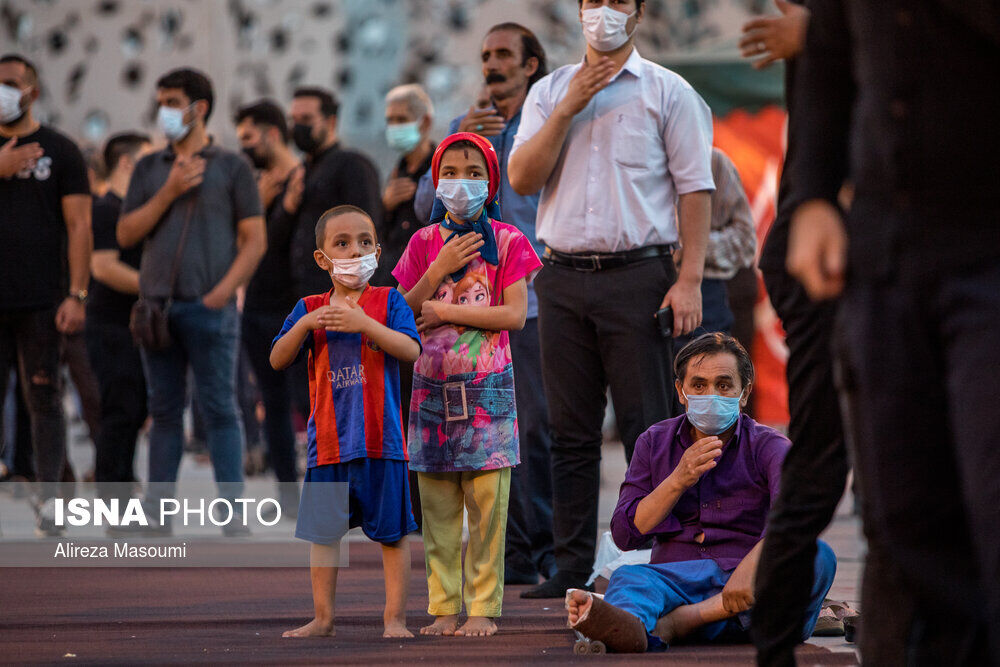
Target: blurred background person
193	184
331	176
263	135
113	354
409	117
732	245
45	246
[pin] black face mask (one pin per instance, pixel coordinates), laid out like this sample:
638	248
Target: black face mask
303	137
255	158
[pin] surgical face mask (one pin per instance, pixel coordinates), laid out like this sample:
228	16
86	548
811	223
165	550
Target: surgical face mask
604	28
302	135
403	137
171	122
355	272
10	104
712	414
463	197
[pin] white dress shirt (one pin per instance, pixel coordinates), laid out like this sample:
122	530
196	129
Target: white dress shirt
640	142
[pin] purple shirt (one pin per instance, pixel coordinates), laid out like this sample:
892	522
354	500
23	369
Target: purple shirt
729	503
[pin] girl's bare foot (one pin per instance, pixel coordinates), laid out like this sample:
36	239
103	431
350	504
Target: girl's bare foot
577	605
442	625
396	629
477	626
314	628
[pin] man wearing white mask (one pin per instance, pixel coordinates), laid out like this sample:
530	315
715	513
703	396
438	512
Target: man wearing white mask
409	115
45	244
197	208
620	149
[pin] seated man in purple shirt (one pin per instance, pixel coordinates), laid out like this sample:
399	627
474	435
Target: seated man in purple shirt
702	485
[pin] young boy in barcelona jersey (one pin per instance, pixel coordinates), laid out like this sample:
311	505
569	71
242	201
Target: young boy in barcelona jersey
354	336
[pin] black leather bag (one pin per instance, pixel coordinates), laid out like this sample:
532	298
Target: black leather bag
148	320
148	324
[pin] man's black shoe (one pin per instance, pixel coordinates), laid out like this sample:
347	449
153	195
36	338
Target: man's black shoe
556	587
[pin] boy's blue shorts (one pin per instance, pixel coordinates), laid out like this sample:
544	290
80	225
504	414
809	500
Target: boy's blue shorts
379	501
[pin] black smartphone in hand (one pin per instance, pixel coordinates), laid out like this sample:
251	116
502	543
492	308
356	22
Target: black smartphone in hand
665	318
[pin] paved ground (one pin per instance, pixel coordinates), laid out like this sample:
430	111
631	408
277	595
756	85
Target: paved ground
117	616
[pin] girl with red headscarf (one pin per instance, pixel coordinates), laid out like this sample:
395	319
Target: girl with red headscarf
463	423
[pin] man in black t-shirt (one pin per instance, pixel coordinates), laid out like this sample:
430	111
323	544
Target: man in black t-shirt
332	176
45	244
263	135
113	356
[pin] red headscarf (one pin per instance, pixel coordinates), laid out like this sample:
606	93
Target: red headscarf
492	163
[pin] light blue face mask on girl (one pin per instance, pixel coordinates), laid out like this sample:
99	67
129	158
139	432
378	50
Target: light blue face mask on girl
712	414
463	197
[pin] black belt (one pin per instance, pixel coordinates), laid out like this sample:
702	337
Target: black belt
608	260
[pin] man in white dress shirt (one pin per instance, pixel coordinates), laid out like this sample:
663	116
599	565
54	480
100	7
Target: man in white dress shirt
621	151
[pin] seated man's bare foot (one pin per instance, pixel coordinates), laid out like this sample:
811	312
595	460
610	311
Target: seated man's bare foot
442	625
314	628
477	626
597	620
577	605
396	629
679	623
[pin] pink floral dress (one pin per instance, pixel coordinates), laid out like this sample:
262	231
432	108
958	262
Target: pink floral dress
462	412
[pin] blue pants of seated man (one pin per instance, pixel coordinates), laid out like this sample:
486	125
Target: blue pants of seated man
652	591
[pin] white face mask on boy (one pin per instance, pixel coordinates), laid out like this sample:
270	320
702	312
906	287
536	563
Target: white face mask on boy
355	272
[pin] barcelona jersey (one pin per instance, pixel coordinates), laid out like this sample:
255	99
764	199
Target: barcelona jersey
353	385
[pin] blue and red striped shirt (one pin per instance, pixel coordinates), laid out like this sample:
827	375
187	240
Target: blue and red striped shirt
353	385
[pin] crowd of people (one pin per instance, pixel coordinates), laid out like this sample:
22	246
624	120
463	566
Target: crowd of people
450	340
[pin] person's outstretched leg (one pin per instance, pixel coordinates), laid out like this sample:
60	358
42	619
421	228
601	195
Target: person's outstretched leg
323	559
396	570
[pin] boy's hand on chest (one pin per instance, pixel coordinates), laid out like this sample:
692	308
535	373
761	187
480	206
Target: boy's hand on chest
344	316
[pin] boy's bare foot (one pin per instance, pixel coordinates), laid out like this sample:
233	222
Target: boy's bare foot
442	625
577	604
396	629
477	626
314	628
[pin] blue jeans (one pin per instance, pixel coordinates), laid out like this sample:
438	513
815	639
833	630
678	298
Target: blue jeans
208	340
653	591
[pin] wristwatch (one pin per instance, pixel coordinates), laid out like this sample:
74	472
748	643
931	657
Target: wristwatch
80	296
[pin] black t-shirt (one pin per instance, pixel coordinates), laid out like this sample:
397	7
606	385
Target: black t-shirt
106	303
33	265
399	225
270	289
334	177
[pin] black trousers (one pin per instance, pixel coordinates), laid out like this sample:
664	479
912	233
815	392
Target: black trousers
920	365
259	329
30	340
529	550
121	382
812	477
598	330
